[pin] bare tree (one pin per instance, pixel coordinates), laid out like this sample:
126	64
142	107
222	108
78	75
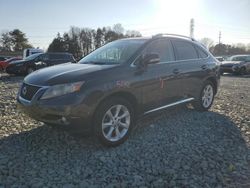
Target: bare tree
117	28
207	42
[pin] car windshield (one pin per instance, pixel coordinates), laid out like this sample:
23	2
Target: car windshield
11	59
116	52
31	57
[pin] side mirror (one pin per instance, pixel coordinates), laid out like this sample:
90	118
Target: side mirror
151	59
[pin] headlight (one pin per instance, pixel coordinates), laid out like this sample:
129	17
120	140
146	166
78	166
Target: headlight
62	89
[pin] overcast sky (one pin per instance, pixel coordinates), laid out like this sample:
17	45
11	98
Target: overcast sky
41	20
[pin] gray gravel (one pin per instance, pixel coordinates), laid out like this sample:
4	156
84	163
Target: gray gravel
178	147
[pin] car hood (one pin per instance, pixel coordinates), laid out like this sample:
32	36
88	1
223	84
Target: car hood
63	73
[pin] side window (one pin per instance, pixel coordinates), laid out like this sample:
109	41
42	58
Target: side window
248	58
201	52
242	58
53	56
161	47
45	57
184	50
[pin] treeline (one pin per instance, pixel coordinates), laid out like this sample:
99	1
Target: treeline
14	41
225	49
81	41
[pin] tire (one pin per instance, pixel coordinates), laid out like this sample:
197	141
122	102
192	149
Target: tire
30	70
242	71
206	97
109	128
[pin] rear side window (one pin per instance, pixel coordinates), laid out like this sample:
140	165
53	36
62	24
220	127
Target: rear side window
239	58
201	52
163	48
184	50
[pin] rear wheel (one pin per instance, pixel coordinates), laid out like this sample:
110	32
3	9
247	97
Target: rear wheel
113	121
206	97
30	70
242	70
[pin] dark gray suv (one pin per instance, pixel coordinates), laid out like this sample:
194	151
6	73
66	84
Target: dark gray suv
107	90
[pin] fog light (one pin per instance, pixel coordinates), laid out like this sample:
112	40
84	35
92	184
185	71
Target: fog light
64	121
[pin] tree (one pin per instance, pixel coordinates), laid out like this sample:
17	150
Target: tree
81	41
99	38
133	33
6	42
19	41
57	44
207	42
220	49
117	28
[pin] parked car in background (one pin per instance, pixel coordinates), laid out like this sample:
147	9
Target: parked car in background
108	89
220	58
3	58
238	64
2	61
4	64
38	61
30	51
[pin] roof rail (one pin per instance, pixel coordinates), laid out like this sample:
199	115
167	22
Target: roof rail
169	34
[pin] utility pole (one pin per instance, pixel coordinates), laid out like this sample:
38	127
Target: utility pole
192	28
220	37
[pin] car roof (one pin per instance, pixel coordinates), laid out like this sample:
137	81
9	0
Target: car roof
161	36
243	55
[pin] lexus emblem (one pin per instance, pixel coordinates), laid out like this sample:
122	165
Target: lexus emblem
24	90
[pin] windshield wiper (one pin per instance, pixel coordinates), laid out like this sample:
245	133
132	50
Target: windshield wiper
95	62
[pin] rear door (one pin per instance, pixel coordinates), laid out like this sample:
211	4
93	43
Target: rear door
191	68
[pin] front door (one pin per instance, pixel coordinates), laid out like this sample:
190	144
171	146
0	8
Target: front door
156	80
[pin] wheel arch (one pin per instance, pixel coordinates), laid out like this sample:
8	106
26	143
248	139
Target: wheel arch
214	82
131	98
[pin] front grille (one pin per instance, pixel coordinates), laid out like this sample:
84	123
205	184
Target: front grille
28	91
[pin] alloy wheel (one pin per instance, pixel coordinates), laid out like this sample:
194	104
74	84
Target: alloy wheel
116	122
207	97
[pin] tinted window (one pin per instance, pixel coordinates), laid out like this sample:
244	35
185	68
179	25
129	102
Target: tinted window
184	50
248	58
201	52
53	56
239	58
163	48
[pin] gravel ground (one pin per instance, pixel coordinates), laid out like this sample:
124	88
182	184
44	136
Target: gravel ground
178	147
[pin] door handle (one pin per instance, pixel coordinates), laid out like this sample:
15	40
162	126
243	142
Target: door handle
176	71
204	67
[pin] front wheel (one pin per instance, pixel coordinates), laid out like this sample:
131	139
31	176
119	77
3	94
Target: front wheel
206	98
113	121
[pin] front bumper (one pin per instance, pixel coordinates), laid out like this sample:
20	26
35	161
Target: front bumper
230	69
64	111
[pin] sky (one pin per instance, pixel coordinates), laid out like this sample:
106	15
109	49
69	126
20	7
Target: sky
41	20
